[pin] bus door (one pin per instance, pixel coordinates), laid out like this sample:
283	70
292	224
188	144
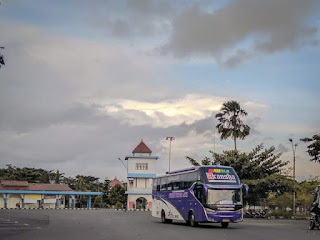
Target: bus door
199	193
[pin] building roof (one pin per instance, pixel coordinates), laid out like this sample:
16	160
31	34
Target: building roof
115	182
12	183
49	187
142	148
24	185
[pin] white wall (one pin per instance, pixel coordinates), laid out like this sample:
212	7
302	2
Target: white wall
13	199
151	165
141	184
134	197
1	201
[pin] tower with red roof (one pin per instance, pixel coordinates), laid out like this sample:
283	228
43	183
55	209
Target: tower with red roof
141	171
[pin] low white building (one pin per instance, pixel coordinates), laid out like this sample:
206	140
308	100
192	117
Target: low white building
34	195
21	194
141	171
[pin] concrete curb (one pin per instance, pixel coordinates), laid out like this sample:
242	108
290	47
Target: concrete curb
133	210
79	209
49	209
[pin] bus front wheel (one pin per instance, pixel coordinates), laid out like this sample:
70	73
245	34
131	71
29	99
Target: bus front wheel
163	218
192	220
224	224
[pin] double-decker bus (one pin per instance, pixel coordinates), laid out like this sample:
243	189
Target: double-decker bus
211	193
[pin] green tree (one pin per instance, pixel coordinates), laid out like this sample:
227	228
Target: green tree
32	175
105	189
116	194
58	177
282	201
231	124
118	205
97	202
314	147
81	186
70	181
305	190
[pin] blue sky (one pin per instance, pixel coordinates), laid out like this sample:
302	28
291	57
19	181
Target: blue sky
85	81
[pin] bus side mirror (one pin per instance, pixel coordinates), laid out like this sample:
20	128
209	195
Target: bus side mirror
205	190
246	187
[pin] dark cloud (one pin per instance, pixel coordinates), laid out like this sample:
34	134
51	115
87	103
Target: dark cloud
266	26
134	19
204	125
84	142
237	58
281	148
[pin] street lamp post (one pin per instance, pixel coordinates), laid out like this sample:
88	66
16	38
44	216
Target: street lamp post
294	146
170	139
123	164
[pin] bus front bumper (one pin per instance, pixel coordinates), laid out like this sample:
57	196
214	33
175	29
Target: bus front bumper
225	217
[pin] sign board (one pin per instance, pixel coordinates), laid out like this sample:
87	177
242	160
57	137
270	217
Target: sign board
220	175
32	198
50	200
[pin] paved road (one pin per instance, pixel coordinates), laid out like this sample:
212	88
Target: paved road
103	224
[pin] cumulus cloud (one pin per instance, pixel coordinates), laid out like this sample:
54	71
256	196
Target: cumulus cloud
186	109
243	28
166	113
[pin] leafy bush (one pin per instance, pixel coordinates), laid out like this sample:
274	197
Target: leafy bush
118	205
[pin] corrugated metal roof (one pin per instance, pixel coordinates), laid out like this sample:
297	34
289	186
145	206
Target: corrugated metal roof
24	185
14	183
48	187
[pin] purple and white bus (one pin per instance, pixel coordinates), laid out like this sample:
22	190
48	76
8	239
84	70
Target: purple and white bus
199	194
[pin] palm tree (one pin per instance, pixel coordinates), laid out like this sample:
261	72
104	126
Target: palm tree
230	123
81	186
1	58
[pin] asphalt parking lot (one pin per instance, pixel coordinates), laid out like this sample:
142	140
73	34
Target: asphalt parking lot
108	224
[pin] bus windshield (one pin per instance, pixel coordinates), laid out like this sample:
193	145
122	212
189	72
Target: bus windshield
224	197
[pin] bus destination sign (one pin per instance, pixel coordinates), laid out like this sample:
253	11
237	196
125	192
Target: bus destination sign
220	175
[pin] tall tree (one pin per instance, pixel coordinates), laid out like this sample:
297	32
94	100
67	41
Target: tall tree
231	124
116	194
32	175
57	177
314	147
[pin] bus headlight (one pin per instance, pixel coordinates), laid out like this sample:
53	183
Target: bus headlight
208	210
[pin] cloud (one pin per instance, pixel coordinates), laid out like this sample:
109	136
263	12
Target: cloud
165	113
186	109
134	19
243	29
281	148
46	77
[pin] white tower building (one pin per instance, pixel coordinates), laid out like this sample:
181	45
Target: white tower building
141	170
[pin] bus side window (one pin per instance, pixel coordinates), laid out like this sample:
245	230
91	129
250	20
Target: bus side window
191	178
155	184
183	181
169	185
163	182
176	185
158	184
